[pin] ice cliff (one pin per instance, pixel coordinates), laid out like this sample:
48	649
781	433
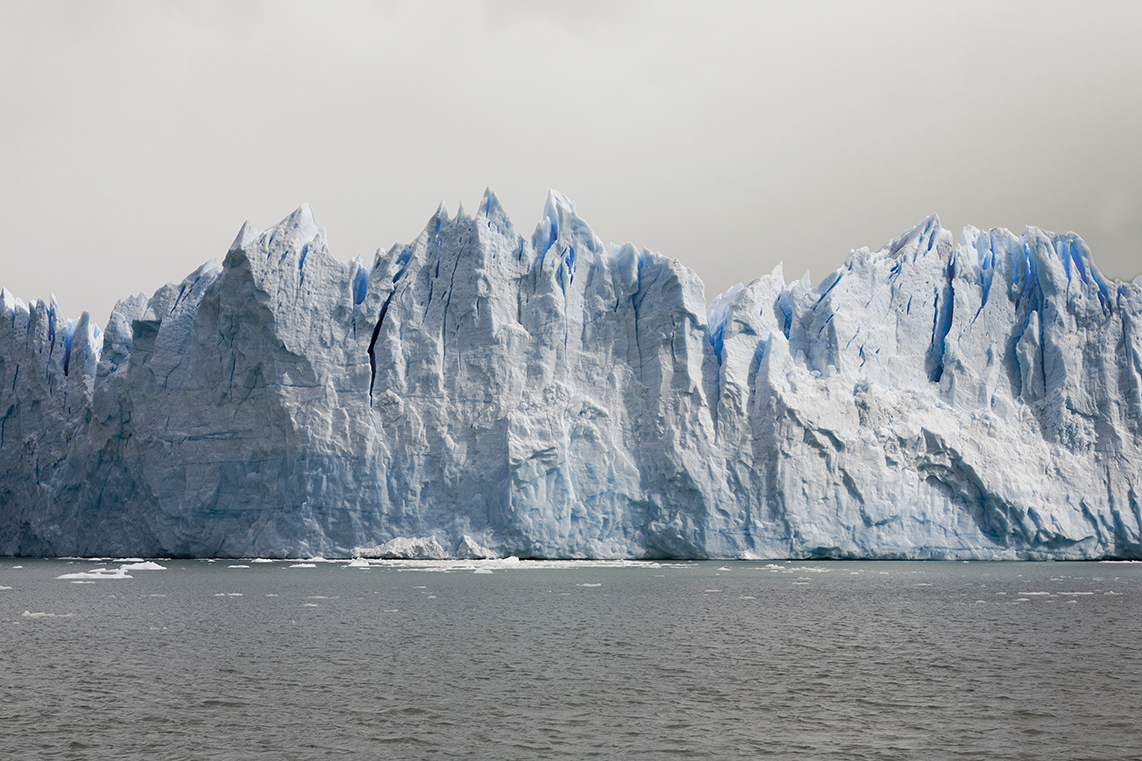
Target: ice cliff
478	392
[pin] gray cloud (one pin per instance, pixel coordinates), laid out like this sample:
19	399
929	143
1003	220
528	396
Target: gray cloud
137	137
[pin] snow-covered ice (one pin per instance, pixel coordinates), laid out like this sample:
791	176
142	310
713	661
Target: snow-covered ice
479	393
143	565
98	573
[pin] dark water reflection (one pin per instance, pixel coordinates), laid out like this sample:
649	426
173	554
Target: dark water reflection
802	660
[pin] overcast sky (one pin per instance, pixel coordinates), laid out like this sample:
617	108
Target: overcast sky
136	137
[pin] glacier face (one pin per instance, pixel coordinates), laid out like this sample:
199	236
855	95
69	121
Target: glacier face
479	392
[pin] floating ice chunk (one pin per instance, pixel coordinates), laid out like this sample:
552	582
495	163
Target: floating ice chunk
774	568
357	563
98	573
143	565
29	614
304	565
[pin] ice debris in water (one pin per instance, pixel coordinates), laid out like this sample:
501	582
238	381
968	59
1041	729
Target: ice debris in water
98	573
145	565
477	394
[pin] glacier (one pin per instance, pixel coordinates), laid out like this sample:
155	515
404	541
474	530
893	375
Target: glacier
479	393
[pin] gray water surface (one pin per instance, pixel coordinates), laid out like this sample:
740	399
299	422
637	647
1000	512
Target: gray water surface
712	660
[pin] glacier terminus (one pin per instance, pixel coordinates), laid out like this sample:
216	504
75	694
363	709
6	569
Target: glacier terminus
481	393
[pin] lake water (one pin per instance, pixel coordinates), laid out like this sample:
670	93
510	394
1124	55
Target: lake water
535	660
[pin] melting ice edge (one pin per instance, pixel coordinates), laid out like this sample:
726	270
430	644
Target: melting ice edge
478	393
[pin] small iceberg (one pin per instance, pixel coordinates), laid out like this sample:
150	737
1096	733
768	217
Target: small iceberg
143	565
99	573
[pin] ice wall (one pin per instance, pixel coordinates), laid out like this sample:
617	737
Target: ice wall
550	396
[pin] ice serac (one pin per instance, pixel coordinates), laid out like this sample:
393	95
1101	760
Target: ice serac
481	393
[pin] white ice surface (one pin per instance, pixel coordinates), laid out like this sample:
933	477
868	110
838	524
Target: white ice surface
98	573
144	565
479	393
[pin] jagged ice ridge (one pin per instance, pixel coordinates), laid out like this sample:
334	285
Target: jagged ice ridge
479	393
